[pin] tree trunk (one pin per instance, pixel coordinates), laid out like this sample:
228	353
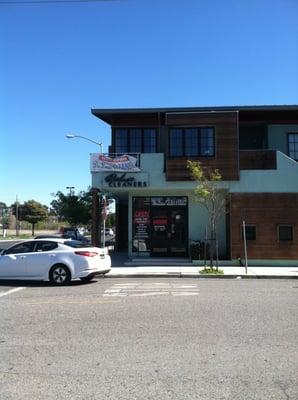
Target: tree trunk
33	226
212	244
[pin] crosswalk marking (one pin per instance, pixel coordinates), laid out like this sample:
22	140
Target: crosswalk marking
140	289
11	291
184	294
148	294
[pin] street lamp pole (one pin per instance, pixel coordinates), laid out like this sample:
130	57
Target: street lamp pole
96	200
85	138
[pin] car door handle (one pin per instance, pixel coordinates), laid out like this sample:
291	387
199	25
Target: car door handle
23	256
52	255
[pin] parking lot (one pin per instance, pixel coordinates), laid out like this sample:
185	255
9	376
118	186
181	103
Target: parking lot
149	338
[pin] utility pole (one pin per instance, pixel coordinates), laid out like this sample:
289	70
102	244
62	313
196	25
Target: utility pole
71	190
245	246
17	217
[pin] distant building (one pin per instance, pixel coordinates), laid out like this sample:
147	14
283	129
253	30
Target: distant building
255	149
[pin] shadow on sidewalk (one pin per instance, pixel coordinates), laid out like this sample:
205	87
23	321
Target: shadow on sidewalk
118	258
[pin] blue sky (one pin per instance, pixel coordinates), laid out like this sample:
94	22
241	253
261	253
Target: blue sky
60	60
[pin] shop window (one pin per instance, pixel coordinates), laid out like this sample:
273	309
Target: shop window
285	233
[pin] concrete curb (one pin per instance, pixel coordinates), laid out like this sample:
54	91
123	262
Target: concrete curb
182	275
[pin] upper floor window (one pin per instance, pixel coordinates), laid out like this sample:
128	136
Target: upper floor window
135	140
293	145
189	142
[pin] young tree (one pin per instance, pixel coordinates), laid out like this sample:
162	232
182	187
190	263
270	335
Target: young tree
207	194
4	213
32	212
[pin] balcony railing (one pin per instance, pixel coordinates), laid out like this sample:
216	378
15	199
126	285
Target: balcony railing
257	159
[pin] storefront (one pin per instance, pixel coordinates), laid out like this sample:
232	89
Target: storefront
160	226
154	218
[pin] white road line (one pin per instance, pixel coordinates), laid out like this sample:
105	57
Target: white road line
148	294
158	285
114	294
12	291
127	284
185	286
185	294
140	289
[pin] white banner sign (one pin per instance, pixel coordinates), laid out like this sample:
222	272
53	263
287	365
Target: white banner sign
125	163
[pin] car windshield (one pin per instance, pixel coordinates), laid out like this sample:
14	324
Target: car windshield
75	244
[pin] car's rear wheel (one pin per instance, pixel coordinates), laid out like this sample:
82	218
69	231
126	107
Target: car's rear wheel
87	278
59	275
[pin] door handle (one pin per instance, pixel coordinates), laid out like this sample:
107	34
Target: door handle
23	256
52	255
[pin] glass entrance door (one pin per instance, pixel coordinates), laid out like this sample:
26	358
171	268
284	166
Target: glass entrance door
169	231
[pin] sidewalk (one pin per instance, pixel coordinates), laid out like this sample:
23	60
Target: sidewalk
119	270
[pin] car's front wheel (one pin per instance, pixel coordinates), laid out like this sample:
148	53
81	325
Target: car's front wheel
59	275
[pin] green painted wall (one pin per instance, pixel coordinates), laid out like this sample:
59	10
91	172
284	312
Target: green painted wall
277	136
198	221
282	180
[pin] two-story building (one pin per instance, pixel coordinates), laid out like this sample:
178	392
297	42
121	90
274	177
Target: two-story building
255	149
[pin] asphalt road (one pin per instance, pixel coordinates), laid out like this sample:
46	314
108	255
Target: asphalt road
163	338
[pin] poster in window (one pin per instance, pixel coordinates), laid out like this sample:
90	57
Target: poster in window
141	228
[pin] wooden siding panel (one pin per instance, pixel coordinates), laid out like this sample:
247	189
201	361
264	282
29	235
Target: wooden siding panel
141	120
266	211
203	118
226	157
257	159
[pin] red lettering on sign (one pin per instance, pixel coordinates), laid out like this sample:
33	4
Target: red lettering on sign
161	221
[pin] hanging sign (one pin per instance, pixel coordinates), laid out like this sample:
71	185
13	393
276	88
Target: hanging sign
125	163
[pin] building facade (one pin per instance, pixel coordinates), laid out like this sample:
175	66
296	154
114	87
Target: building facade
254	148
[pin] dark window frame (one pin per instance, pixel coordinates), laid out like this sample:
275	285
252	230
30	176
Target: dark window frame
128	140
295	144
200	130
285	226
247	226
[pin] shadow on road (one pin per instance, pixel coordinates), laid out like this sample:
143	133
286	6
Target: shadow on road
17	283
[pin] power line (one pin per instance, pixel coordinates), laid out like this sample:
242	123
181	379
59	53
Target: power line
51	1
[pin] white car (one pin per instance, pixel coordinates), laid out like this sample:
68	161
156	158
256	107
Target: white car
54	260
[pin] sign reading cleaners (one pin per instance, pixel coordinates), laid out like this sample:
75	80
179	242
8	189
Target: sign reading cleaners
125	163
126	180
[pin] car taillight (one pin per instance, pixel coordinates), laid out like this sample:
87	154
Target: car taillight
86	253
